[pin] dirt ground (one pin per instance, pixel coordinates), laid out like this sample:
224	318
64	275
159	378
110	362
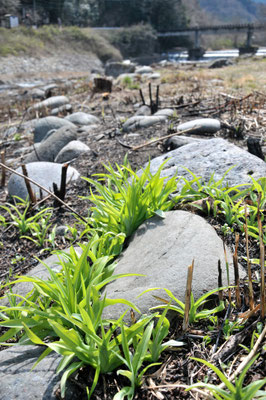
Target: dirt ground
193	92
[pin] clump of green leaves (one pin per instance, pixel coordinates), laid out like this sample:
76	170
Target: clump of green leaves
128	82
234	391
127	199
196	312
20	218
227	203
65	313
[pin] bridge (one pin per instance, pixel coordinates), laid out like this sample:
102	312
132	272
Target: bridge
197	51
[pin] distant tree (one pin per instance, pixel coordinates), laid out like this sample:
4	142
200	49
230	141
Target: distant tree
161	14
167	15
9	6
53	8
80	12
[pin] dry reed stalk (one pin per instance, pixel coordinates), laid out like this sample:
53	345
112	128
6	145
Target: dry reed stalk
236	270
227	273
3	177
188	296
220	281
28	186
262	263
251	295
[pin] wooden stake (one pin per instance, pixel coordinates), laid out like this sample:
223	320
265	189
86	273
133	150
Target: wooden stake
142	97
188	296
62	191
32	196
250	286
236	270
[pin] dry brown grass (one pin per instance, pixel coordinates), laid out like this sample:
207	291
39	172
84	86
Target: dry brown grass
243	76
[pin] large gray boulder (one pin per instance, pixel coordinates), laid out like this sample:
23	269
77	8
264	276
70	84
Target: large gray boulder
20	383
116	68
211	156
162	249
81	118
43	125
49	148
44	173
72	150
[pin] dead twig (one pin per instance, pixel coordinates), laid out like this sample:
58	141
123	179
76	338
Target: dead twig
156	140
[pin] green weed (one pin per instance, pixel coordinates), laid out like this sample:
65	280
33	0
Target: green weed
233	392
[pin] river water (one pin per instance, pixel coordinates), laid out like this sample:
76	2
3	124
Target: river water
213	55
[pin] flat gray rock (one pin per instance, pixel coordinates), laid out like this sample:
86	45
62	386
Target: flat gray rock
81	118
162	250
62	109
43	125
145	69
44	173
72	150
155	75
140	122
17	379
143	110
20	383
50	103
201	126
166	112
50	147
211	156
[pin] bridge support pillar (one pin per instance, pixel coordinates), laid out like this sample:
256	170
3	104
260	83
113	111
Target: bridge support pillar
247	50
196	53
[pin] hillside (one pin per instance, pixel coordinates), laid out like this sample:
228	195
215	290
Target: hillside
235	11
